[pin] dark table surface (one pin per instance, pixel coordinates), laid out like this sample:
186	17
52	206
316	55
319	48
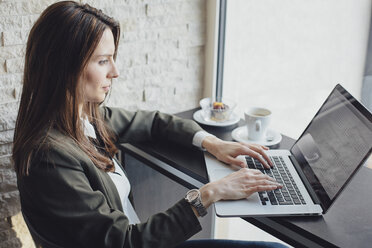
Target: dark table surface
348	223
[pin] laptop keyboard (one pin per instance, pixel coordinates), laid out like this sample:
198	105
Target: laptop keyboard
289	194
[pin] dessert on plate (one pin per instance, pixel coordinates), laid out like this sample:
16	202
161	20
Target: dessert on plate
216	111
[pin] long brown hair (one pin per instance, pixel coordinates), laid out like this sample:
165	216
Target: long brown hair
59	47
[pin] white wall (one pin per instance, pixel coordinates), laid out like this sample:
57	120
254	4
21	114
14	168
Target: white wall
160	60
287	55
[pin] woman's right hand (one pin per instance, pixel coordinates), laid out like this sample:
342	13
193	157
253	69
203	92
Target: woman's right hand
238	185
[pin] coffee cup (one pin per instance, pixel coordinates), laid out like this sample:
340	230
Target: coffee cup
257	121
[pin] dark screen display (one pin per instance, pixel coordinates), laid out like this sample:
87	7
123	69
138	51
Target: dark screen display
335	143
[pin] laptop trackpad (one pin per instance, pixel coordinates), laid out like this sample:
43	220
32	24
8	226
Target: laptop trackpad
217	174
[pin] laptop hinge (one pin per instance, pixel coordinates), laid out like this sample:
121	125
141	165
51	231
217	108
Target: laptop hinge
312	193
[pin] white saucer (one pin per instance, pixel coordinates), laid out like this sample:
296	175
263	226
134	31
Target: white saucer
240	134
234	118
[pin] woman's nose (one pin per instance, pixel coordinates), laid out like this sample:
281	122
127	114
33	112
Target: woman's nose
114	73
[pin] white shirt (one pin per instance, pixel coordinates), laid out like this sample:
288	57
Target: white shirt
121	181
118	178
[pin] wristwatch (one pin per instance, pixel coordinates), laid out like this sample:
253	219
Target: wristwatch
194	198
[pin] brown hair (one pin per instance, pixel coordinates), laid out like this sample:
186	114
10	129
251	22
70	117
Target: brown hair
59	47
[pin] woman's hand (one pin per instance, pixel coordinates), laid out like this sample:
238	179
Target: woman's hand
238	185
227	152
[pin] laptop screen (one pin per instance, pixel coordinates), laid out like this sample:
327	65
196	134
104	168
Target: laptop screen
334	145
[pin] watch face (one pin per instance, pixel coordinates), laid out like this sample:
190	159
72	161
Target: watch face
191	196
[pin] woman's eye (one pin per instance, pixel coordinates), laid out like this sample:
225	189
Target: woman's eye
102	62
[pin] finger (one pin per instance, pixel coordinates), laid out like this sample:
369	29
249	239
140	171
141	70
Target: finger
260	188
263	154
235	161
267	158
254	171
263	176
260	146
265	148
268	187
266	182
260	158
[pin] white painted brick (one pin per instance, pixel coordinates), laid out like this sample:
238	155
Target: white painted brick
143	1
196	28
162	21
126	74
193	9
8	94
140	35
12	51
10	80
148	71
29	20
10	22
175	8
158	52
9	108
173	32
152	94
5	1
127	99
14	65
2	66
195	50
14	37
155	9
133	47
195	61
8	180
6	136
165	45
122	64
99	4
138	60
9	204
192	42
14	8
193	74
125	11
158	57
129	24
38	6
164	80
6	149
7	121
6	162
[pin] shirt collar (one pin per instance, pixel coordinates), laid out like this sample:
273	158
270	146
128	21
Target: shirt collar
89	129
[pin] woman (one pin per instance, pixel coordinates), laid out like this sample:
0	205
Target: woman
73	192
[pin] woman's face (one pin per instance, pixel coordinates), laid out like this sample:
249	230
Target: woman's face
101	68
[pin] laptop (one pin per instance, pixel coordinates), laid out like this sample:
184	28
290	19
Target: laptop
315	170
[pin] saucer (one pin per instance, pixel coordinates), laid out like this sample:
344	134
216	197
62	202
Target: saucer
240	134
234	118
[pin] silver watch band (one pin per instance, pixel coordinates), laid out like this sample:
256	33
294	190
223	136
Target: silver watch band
194	198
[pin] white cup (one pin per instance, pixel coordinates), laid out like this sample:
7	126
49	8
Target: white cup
257	121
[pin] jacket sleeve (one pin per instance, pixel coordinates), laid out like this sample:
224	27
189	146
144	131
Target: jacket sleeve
149	125
64	205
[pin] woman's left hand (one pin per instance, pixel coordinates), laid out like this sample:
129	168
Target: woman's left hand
227	151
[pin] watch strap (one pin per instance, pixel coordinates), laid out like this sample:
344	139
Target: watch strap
196	202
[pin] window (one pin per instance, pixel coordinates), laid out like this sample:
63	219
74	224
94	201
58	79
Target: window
288	55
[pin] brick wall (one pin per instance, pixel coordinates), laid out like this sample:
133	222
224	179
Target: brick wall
160	60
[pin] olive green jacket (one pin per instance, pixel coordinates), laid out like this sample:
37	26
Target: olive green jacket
72	203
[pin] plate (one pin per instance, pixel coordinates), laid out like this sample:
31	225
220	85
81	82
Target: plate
240	134
234	118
